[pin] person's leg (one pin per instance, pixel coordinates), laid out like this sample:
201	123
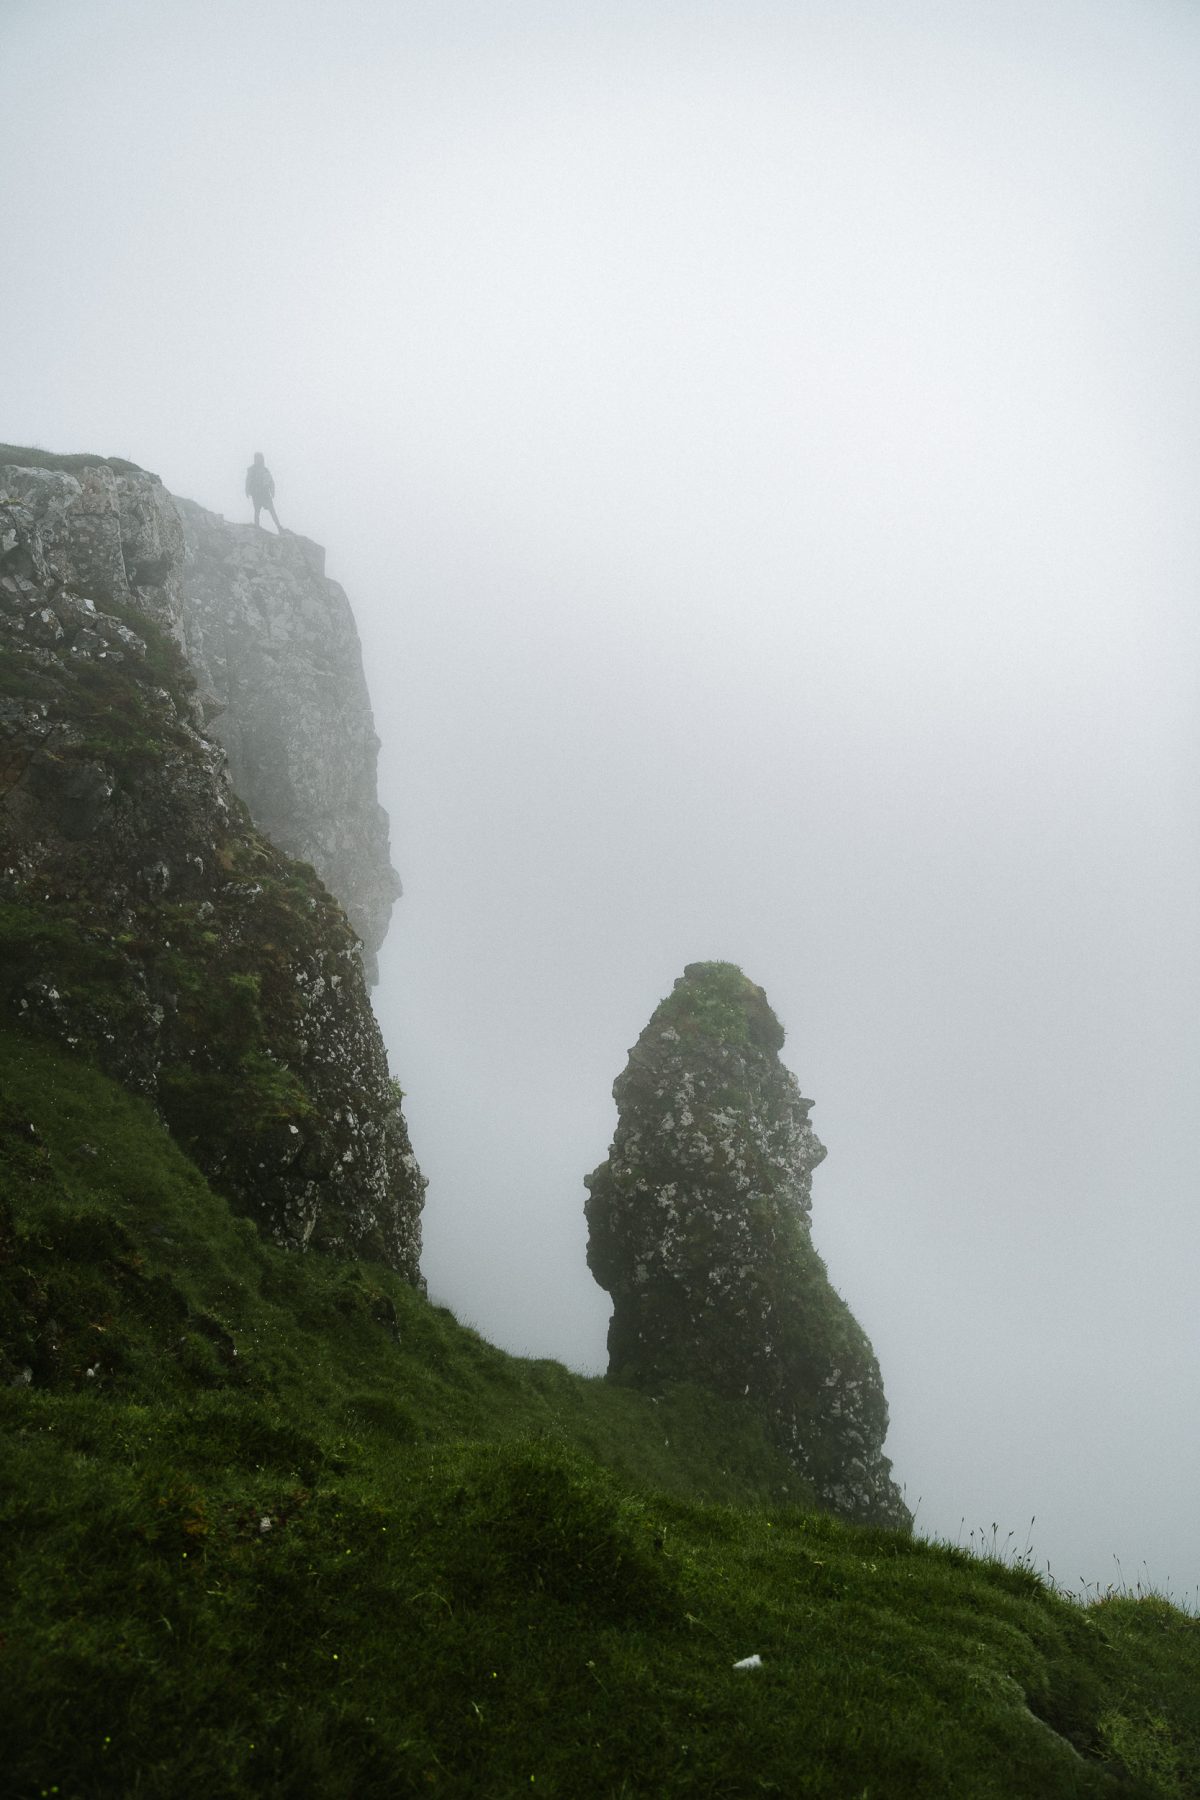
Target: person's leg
257	510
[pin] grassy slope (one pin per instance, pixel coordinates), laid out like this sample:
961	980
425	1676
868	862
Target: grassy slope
481	1576
27	456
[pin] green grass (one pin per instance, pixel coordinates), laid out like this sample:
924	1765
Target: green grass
28	456
715	1000
481	1576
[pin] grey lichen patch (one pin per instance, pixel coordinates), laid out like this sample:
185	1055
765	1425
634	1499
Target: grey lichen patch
699	1228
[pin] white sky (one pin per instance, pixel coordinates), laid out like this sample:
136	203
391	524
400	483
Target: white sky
761	444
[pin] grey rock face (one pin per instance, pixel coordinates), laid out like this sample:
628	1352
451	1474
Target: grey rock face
275	649
111	538
699	1228
145	922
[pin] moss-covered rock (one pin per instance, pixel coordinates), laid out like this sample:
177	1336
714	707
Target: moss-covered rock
699	1228
143	920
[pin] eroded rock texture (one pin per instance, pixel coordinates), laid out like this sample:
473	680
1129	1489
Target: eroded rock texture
143	920
276	652
699	1229
109	531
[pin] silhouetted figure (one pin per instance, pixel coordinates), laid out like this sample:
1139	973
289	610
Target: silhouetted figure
260	486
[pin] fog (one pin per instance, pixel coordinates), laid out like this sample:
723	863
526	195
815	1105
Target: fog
761	445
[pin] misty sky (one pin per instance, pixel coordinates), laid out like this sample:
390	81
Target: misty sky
761	443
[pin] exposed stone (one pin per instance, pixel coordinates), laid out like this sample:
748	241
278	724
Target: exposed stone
145	921
111	537
275	649
699	1228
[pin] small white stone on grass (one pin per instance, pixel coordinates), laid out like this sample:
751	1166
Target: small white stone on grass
749	1662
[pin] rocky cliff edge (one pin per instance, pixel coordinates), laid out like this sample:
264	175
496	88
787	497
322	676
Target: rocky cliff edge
144	922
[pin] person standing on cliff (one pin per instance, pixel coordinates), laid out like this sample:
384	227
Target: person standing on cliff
260	487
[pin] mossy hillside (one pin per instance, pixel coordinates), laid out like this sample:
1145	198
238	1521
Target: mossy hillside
106	1212
275	1525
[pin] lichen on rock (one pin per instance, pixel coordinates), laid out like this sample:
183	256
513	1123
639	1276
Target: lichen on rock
699	1228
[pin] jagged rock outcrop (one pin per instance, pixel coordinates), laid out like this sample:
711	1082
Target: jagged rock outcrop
109	530
699	1228
143	919
275	649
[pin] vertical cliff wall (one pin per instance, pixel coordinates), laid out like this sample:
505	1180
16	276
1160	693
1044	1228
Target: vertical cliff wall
275	650
699	1228
144	922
